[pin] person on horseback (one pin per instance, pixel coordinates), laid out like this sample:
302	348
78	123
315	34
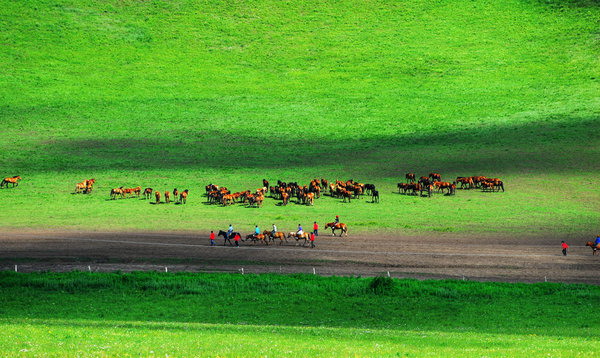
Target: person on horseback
274	229
300	231
597	241
256	230
229	231
337	219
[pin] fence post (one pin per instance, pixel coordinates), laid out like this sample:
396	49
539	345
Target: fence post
545	279
16	270
314	271
389	274
242	270
166	269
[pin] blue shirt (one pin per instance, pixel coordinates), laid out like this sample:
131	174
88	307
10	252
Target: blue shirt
257	230
597	240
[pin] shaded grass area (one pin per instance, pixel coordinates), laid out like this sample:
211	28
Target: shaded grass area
254	314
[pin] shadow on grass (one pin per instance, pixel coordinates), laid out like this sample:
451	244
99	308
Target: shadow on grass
553	146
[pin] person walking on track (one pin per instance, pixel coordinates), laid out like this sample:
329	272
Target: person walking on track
312	240
212	238
316	228
236	239
564	247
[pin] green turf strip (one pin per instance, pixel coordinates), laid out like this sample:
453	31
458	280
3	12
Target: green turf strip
257	315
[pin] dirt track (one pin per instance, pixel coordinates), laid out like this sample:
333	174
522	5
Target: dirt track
447	256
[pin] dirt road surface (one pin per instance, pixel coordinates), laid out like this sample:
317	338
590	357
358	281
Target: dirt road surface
492	258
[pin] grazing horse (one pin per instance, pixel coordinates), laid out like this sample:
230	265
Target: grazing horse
337	226
175	193
12	180
375	196
410	177
148	192
435	176
266	184
157	196
594	247
183	196
117	191
167	197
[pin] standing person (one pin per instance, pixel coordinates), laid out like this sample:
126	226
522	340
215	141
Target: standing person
300	231
564	247
316	228
236	239
212	238
337	219
312	240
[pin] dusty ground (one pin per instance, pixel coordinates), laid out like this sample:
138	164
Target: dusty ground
526	259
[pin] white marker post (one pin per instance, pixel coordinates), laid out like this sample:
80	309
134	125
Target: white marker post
314	271
16	269
166	269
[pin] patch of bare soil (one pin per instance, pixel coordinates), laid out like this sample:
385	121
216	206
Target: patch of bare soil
472	257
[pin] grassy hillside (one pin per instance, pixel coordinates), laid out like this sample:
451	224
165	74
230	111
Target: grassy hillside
155	314
183	93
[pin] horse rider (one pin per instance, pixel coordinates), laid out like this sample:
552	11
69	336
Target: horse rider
229	231
597	241
300	231
274	229
337	219
256	230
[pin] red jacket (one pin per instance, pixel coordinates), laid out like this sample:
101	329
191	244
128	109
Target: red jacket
316	227
312	236
564	245
236	238
212	235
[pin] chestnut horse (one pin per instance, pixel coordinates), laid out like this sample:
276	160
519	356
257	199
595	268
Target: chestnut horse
593	246
278	235
13	180
337	226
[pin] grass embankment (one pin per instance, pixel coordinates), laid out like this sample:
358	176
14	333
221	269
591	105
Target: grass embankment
302	315
184	93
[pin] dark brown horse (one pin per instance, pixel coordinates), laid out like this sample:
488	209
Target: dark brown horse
410	177
183	196
337	226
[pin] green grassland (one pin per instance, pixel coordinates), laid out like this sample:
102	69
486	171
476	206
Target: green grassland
186	93
156	314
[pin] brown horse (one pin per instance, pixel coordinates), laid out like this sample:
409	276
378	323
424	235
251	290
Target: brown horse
167	196
183	196
257	237
12	180
337	226
157	196
295	235
175	193
117	192
435	176
278	235
148	192
594	247
410	177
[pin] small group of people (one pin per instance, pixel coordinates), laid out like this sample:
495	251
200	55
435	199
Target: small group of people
236	236
565	246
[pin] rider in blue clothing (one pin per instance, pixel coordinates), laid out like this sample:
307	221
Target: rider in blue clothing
256	230
597	242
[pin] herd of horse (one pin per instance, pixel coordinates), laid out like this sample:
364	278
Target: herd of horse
282	237
427	185
178	196
286	191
